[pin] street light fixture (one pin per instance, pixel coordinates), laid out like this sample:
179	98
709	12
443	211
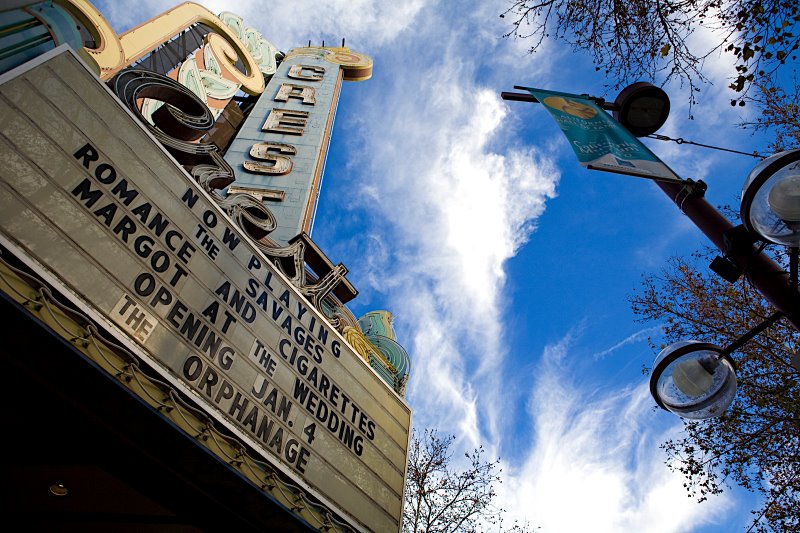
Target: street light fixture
693	379
697	380
771	199
642	108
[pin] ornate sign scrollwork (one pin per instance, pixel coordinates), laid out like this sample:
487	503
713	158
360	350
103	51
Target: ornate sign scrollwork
250	214
179	125
291	261
184	118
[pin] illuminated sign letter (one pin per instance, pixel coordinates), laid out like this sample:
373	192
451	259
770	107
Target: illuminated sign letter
276	164
302	92
286	121
298	72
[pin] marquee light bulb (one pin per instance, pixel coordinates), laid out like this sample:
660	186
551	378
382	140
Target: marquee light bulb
693	378
784	198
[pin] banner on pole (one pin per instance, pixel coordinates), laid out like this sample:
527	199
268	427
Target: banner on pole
599	141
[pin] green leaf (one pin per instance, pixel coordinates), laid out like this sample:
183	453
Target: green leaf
665	50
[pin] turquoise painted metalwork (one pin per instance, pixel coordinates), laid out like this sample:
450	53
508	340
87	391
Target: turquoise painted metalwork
26	33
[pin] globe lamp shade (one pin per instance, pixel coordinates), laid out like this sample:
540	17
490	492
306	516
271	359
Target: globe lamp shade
642	108
771	199
693	380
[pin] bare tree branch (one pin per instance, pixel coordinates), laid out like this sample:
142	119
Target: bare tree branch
440	498
650	39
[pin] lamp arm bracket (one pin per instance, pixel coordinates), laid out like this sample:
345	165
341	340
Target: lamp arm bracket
758	328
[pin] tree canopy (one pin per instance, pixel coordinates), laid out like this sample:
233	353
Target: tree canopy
630	39
756	442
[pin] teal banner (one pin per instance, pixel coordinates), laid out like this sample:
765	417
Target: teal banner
599	141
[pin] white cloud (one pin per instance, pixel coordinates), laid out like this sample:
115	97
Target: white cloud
594	463
461	210
714	119
455	208
637	336
365	24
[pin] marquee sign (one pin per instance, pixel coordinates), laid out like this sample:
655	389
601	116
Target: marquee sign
279	153
91	201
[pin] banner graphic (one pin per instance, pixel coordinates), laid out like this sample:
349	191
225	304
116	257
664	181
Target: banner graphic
599	141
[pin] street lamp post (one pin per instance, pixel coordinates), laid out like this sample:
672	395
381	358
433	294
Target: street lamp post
694	379
767	277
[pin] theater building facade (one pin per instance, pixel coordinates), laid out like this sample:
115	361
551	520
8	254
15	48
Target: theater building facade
178	352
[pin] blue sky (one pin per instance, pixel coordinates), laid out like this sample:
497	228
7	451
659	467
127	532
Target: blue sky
506	265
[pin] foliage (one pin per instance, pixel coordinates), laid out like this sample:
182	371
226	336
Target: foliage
634	39
780	114
440	498
756	443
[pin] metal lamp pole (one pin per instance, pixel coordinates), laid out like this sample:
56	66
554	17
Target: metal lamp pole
767	277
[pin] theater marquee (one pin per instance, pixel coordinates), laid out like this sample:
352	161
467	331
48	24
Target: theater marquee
93	203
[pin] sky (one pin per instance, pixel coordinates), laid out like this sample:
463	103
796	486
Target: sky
506	265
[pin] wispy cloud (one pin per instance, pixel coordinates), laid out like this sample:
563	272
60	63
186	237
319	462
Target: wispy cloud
637	336
366	24
594	463
456	202
713	120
